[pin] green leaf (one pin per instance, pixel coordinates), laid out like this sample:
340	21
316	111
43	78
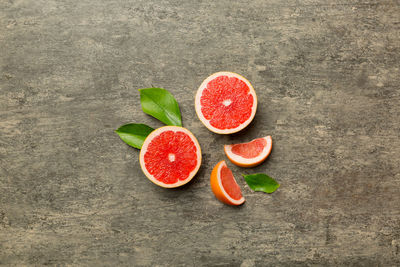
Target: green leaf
261	182
161	104
134	134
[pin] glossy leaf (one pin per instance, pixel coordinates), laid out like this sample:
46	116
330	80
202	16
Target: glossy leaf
261	182
134	134
161	104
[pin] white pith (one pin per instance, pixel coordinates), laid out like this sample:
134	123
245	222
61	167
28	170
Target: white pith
236	202
246	161
198	103
146	143
227	102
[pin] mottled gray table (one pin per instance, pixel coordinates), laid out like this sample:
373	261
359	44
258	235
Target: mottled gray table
327	75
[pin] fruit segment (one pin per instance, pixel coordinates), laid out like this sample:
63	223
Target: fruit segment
224	186
249	154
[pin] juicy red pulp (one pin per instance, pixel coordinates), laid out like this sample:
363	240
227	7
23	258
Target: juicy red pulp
229	184
251	149
226	102
171	157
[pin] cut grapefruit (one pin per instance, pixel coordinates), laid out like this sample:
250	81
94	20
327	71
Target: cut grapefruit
226	102
170	156
224	185
249	154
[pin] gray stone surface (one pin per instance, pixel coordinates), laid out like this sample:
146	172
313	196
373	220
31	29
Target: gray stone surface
327	75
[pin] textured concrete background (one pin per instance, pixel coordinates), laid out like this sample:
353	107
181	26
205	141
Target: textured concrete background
327	75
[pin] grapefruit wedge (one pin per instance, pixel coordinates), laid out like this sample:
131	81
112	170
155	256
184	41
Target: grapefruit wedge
170	156
249	154
224	185
226	102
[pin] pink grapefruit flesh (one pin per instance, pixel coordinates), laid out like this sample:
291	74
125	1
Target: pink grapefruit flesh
251	149
170	156
226	102
249	154
229	184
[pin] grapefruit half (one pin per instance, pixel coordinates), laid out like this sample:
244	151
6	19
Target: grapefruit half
170	156
226	102
249	154
224	185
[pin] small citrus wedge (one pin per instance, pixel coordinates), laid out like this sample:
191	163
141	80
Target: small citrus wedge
226	102
224	185
170	156
249	154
